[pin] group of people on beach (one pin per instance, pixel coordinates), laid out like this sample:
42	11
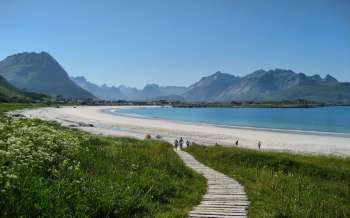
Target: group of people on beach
258	143
180	143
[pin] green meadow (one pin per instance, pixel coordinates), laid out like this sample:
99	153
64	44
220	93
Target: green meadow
282	184
47	170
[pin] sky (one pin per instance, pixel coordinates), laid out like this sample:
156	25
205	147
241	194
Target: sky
135	42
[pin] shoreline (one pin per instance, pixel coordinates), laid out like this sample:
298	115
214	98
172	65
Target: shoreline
208	134
293	131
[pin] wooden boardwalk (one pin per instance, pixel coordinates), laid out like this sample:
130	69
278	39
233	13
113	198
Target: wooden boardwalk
225	197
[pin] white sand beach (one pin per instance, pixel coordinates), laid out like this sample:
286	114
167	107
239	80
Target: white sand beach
109	124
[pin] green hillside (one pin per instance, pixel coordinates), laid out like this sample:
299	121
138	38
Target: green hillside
40	72
330	93
7	90
9	93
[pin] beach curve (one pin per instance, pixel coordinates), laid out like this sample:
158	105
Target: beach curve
119	125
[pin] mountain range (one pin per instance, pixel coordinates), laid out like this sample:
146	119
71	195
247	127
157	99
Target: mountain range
39	72
149	92
272	85
261	85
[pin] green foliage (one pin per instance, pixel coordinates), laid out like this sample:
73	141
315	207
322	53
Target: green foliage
50	171
282	184
5	107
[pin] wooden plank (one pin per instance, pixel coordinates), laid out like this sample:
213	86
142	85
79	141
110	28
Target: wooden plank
225	197
210	216
214	214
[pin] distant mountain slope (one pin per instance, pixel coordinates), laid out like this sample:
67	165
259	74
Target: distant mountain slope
9	93
6	89
149	92
211	87
154	91
173	90
102	92
172	98
272	85
329	93
39	72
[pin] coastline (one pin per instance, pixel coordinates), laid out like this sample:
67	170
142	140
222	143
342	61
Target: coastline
121	125
293	131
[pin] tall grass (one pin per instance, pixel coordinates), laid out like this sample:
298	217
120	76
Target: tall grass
5	107
50	171
282	184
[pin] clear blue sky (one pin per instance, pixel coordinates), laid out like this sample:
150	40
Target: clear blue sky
176	42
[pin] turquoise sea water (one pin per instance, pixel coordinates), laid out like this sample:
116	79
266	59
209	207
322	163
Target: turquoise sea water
325	119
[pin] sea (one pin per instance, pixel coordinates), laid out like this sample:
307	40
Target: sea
321	120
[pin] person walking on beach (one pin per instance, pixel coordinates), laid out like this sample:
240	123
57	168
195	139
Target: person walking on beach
259	144
236	143
187	143
176	143
181	142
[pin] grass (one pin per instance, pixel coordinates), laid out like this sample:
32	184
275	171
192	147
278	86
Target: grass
282	184
47	170
5	107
